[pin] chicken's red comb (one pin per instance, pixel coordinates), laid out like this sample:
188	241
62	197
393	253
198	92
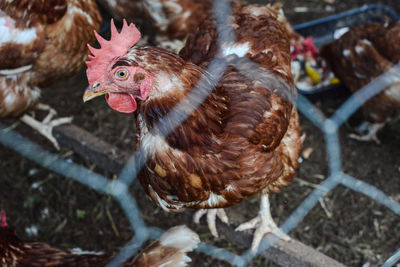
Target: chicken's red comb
3	220
117	46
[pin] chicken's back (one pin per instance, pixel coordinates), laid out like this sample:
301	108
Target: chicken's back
386	39
51	36
354	58
361	55
257	33
42	41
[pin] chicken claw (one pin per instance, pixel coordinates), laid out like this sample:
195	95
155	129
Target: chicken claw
212	214
46	126
372	134
263	224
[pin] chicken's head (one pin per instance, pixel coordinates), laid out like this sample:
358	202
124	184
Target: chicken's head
120	83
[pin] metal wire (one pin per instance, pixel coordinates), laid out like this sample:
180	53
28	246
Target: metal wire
395	258
119	188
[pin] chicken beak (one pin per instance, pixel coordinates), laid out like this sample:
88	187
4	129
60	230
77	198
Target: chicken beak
93	91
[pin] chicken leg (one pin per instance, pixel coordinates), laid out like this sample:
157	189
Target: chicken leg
371	135
212	215
46	126
263	224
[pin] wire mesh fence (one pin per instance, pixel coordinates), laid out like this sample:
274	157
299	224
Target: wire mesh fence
119	188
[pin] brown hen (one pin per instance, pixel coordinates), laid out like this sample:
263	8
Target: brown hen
361	55
169	251
41	42
242	141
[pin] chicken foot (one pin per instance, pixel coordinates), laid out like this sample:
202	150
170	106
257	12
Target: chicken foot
212	215
263	224
372	135
45	127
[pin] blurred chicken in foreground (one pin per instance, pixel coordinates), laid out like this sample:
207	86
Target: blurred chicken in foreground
169	251
361	55
41	42
242	141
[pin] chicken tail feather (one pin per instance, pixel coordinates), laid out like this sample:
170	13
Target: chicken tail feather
171	250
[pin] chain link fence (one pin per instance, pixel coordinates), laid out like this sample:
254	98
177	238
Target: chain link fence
119	188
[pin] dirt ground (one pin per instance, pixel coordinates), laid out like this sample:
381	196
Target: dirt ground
352	228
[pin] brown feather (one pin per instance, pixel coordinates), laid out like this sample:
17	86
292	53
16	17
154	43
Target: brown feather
361	55
29	13
58	49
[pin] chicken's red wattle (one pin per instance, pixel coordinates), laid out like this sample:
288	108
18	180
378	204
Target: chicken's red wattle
124	103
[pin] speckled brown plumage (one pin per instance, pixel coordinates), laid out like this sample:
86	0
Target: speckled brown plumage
52	47
243	139
386	39
361	55
39	12
170	250
202	45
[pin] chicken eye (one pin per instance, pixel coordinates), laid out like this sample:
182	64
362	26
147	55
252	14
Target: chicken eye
121	74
